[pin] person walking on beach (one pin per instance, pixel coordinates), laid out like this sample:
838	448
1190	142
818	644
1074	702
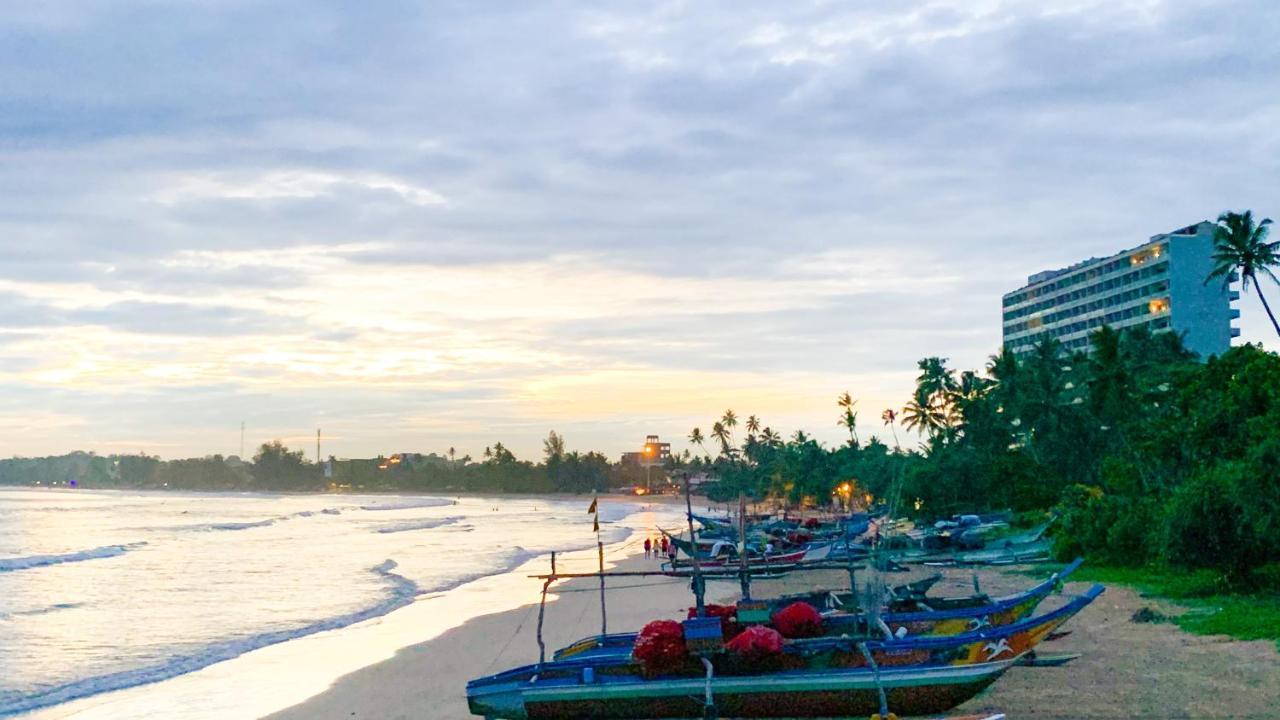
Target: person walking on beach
664	544
648	544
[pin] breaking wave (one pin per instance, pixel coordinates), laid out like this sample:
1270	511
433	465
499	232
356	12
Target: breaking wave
408	504
401	592
35	561
40	610
420	524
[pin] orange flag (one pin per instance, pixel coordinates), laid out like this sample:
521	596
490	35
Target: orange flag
593	505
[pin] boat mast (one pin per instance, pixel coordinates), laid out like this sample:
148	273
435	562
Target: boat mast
699	586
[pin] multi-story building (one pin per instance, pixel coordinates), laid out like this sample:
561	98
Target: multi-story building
653	453
1159	284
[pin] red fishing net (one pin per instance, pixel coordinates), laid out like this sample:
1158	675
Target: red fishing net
756	643
798	620
660	646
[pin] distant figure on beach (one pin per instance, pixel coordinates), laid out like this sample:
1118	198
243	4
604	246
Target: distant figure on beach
664	544
648	545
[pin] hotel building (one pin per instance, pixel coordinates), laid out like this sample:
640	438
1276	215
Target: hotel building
1159	284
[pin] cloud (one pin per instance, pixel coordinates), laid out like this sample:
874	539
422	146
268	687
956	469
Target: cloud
432	225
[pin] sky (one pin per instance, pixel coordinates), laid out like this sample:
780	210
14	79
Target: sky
446	224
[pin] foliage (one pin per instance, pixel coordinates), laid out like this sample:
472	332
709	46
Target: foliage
1213	606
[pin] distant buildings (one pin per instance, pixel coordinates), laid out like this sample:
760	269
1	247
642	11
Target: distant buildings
1159	284
653	453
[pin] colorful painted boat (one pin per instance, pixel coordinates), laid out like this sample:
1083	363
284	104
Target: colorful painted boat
826	676
724	556
933	617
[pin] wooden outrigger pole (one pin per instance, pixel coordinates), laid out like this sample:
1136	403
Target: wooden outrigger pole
699	585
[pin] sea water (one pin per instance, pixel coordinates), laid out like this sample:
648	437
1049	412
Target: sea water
114	603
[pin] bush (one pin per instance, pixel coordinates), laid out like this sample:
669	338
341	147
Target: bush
1206	525
1105	528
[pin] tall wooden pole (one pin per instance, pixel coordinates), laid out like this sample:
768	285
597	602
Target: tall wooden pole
744	578
699	589
604	617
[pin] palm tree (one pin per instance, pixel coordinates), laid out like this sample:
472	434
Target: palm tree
935	377
1239	244
696	438
849	419
453	457
922	415
889	416
721	433
800	437
753	424
488	453
770	437
730	421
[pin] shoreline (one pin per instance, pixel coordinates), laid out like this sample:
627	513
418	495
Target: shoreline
276	676
433	674
1127	670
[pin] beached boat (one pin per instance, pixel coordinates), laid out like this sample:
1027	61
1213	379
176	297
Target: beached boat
903	616
823	676
714	554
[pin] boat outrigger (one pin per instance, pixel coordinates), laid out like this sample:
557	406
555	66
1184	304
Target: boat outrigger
816	677
911	653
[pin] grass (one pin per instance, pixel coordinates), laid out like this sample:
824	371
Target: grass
1212	607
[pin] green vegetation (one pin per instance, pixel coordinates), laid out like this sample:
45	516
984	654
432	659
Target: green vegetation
276	468
1211	607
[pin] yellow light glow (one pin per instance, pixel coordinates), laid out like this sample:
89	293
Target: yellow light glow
641	491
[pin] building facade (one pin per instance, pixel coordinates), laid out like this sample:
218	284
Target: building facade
1159	284
653	453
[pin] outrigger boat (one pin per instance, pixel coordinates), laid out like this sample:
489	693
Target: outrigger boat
825	676
704	666
902	617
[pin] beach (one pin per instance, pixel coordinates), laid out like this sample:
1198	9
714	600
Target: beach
1126	670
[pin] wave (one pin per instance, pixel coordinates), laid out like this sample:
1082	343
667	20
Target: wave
406	505
215	526
510	560
310	513
41	610
35	561
401	592
420	524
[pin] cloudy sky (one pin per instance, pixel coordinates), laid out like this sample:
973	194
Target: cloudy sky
419	225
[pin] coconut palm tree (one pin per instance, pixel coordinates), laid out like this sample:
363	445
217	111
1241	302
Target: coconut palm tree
730	421
695	437
753	424
1240	245
771	438
849	419
889	416
721	433
923	415
452	457
935	377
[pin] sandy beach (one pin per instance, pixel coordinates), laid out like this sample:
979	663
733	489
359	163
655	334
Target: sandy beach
1128	670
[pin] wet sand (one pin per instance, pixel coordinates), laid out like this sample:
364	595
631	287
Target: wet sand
1127	670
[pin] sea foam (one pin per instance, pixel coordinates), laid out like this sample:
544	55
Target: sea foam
35	561
401	591
425	524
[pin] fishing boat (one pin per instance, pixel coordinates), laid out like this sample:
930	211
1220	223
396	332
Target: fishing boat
822	676
903	616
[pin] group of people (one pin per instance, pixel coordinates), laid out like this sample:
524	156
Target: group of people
654	546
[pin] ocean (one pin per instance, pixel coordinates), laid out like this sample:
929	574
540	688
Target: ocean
202	605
